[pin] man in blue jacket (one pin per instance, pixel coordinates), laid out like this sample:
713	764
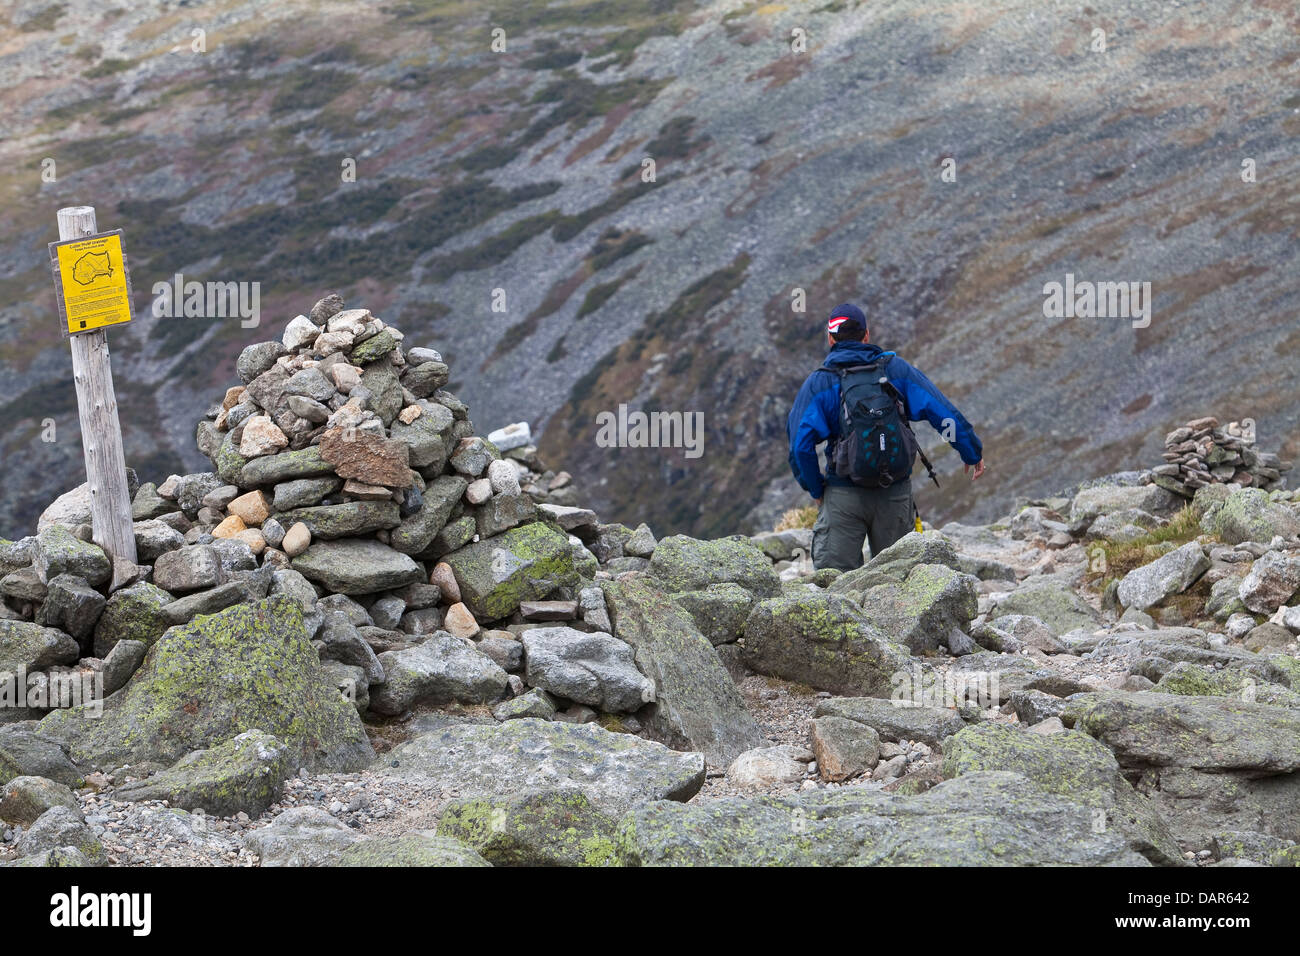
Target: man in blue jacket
847	513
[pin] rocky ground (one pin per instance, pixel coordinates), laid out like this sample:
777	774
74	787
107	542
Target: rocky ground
372	637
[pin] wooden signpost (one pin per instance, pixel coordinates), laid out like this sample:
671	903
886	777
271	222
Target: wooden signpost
94	292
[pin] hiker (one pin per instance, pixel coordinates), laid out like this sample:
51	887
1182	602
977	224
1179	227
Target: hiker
866	492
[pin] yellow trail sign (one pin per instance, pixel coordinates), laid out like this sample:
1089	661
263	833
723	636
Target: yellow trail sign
91	282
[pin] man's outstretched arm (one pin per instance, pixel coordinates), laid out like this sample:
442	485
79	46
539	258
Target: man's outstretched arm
926	402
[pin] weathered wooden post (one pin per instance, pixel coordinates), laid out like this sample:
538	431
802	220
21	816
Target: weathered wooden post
87	303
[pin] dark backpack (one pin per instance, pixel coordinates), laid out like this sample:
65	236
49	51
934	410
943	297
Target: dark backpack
876	446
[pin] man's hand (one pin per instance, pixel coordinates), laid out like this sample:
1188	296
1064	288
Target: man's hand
979	469
817	502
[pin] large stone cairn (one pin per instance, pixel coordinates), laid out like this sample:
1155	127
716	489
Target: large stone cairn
346	478
1203	453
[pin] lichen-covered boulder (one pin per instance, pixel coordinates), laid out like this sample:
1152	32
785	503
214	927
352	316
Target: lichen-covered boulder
481	760
980	819
1248	515
246	773
24	752
823	640
719	611
523	564
133	613
1197	680
249	667
31	647
416	848
64	856
24	799
540	828
924	610
61	826
1154	653
1208	764
1206	733
892	565
690	564
71	605
1171	573
57	550
1056	605
1107	499
301	836
696	703
1072	765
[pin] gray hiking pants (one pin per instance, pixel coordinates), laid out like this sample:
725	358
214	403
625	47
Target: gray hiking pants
850	515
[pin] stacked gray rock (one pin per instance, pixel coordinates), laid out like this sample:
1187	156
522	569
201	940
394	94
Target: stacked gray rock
1202	452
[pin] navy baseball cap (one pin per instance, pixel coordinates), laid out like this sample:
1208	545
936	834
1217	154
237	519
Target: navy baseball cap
846	318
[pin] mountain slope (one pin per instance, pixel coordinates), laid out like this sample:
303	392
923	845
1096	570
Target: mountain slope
486	176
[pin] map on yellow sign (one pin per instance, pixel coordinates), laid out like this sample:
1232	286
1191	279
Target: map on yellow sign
91	282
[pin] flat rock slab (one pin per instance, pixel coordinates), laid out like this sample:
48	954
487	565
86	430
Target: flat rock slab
480	760
1056	605
544	828
417	848
548	610
981	819
1202	733
357	566
1072	765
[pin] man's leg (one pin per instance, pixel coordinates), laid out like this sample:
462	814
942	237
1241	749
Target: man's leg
840	529
890	515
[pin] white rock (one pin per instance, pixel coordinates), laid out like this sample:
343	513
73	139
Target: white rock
512	436
261	437
299	332
351	321
503	478
766	767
